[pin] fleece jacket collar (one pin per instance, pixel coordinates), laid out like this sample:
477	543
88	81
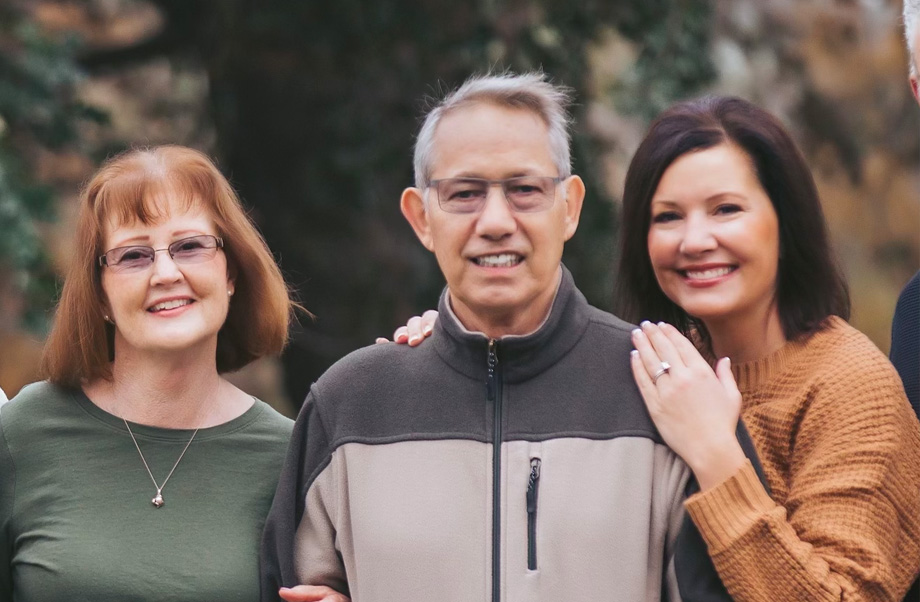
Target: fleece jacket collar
521	357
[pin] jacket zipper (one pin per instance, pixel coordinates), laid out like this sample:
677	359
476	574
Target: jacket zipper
532	489
494	394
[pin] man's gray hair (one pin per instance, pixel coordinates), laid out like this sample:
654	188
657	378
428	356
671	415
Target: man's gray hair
530	91
911	19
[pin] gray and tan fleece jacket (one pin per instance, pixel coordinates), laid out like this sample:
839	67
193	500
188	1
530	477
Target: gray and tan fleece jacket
467	470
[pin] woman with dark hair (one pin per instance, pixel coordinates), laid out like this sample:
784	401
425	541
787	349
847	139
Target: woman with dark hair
136	471
726	262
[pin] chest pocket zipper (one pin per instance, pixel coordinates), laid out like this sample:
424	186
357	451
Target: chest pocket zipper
532	490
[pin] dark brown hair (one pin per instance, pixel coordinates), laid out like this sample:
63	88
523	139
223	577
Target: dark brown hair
810	286
127	188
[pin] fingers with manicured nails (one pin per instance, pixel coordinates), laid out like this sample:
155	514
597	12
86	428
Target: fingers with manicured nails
647	355
311	593
428	320
401	335
420	328
662	344
414	330
688	352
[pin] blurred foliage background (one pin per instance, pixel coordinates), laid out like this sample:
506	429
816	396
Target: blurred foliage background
311	109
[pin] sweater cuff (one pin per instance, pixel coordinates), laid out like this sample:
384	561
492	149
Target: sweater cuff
728	510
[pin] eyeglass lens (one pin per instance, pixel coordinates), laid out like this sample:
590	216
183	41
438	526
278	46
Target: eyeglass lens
524	193
195	249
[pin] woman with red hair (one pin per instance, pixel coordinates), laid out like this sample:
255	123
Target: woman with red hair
137	471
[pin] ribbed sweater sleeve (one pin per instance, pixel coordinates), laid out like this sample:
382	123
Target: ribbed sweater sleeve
841	450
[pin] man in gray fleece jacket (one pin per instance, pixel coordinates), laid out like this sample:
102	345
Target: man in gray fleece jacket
511	457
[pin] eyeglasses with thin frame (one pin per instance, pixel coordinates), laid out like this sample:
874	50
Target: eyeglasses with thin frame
194	249
525	194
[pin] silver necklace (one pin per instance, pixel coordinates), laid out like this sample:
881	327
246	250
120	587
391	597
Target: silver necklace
158	500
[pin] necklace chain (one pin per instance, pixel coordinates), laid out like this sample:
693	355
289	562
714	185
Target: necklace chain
158	500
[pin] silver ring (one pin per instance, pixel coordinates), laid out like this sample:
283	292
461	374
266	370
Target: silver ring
665	366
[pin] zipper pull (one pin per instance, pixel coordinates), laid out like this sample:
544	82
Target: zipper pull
532	485
493	361
532	513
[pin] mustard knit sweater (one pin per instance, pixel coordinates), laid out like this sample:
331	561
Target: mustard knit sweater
840	447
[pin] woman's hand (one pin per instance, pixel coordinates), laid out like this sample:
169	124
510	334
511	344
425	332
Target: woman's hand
416	330
695	409
311	593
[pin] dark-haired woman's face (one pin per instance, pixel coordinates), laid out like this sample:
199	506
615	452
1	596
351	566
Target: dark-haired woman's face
714	237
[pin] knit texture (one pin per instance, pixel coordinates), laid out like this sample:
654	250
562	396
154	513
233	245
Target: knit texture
840	446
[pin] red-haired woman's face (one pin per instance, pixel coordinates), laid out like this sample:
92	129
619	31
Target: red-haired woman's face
714	237
174	304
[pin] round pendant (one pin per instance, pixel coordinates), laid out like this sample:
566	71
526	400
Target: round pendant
158	500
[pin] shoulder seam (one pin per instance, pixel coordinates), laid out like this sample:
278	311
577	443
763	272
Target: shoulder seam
321	466
314	390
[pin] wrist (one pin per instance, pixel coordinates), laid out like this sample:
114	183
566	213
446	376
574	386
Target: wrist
717	463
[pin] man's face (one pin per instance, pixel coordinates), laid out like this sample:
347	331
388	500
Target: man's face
501	266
